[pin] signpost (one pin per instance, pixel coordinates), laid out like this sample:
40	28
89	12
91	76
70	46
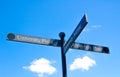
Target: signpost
61	43
64	69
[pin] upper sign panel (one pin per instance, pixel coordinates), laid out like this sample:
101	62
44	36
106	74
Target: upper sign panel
76	33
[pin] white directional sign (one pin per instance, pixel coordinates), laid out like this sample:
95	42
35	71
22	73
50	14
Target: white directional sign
55	42
31	39
76	33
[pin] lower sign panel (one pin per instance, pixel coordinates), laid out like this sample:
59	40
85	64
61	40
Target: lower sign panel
89	47
55	42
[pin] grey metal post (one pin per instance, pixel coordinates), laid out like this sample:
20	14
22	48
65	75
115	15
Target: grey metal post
64	70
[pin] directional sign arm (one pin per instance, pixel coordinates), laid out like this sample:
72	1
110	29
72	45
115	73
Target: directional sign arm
32	39
90	47
55	42
76	33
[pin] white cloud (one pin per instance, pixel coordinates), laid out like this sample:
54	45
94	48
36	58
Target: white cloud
41	66
82	63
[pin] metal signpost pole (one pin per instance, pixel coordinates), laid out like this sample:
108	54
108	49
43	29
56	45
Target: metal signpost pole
64	70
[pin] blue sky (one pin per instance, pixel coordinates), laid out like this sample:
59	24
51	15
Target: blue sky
47	18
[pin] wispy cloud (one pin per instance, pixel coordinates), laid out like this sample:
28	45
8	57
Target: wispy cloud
96	26
92	28
86	30
82	63
41	66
